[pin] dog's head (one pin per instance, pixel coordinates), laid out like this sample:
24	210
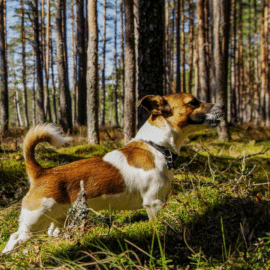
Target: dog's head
182	110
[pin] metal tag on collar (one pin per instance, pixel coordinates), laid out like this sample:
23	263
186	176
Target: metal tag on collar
170	161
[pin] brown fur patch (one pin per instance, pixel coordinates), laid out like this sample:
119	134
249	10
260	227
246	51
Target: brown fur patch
62	183
139	155
182	110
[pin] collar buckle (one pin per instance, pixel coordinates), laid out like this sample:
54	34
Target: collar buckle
169	156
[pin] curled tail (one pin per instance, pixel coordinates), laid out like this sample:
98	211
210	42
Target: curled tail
40	133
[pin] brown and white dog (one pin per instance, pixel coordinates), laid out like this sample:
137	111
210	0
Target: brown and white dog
135	176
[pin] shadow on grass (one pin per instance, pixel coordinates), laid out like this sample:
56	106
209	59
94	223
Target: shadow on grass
228	227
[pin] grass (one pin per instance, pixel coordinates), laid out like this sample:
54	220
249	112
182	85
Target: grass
217	217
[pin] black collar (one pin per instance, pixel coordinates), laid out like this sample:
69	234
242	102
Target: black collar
169	156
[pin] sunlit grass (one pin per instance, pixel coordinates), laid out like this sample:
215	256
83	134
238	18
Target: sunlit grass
217	216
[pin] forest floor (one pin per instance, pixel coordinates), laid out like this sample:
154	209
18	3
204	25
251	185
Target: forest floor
217	217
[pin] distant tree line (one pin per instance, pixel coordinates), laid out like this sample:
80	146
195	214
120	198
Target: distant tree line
54	67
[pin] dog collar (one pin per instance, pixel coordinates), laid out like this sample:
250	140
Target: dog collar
169	156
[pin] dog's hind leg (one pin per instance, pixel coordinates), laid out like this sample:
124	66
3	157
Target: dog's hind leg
31	223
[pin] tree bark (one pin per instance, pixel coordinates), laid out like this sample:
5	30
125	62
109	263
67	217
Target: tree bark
221	26
233	104
122	59
40	93
25	102
64	94
204	78
183	41
82	61
129	116
151	68
115	67
177	22
92	75
47	64
190	45
103	91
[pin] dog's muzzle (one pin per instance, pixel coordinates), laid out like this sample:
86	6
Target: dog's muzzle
212	117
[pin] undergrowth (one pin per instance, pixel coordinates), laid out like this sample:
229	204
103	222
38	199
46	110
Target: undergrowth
217	216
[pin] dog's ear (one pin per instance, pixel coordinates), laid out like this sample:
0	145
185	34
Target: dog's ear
156	105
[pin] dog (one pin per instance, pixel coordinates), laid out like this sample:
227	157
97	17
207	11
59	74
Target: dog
139	175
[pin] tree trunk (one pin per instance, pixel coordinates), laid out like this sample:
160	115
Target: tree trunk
129	116
55	117
64	94
221	27
92	74
177	22
115	67
40	94
172	49
46	63
103	91
82	59
74	64
25	102
151	69
34	119
240	63
233	104
183	41
122	60
190	44
204	78
256	66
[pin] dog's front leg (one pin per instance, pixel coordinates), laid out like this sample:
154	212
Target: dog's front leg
152	206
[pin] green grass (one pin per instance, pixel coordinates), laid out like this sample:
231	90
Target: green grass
217	217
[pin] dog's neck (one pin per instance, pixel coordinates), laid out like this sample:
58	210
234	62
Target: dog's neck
163	136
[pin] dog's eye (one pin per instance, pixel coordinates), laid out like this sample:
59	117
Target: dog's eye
194	102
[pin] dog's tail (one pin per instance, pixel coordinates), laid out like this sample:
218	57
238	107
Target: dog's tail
40	133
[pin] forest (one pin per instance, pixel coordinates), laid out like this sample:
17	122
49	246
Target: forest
69	61
84	65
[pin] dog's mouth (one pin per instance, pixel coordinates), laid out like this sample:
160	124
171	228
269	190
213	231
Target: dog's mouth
212	119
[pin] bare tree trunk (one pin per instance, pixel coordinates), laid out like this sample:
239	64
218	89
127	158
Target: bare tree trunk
74	63
221	45
64	94
172	49
151	68
34	119
183	41
233	104
256	66
167	51
25	102
204	93
92	75
40	94
46	61
129	116
103	91
249	80
81	64
55	117
115	66
196	67
136	4
240	63
190	44
122	60
177	21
